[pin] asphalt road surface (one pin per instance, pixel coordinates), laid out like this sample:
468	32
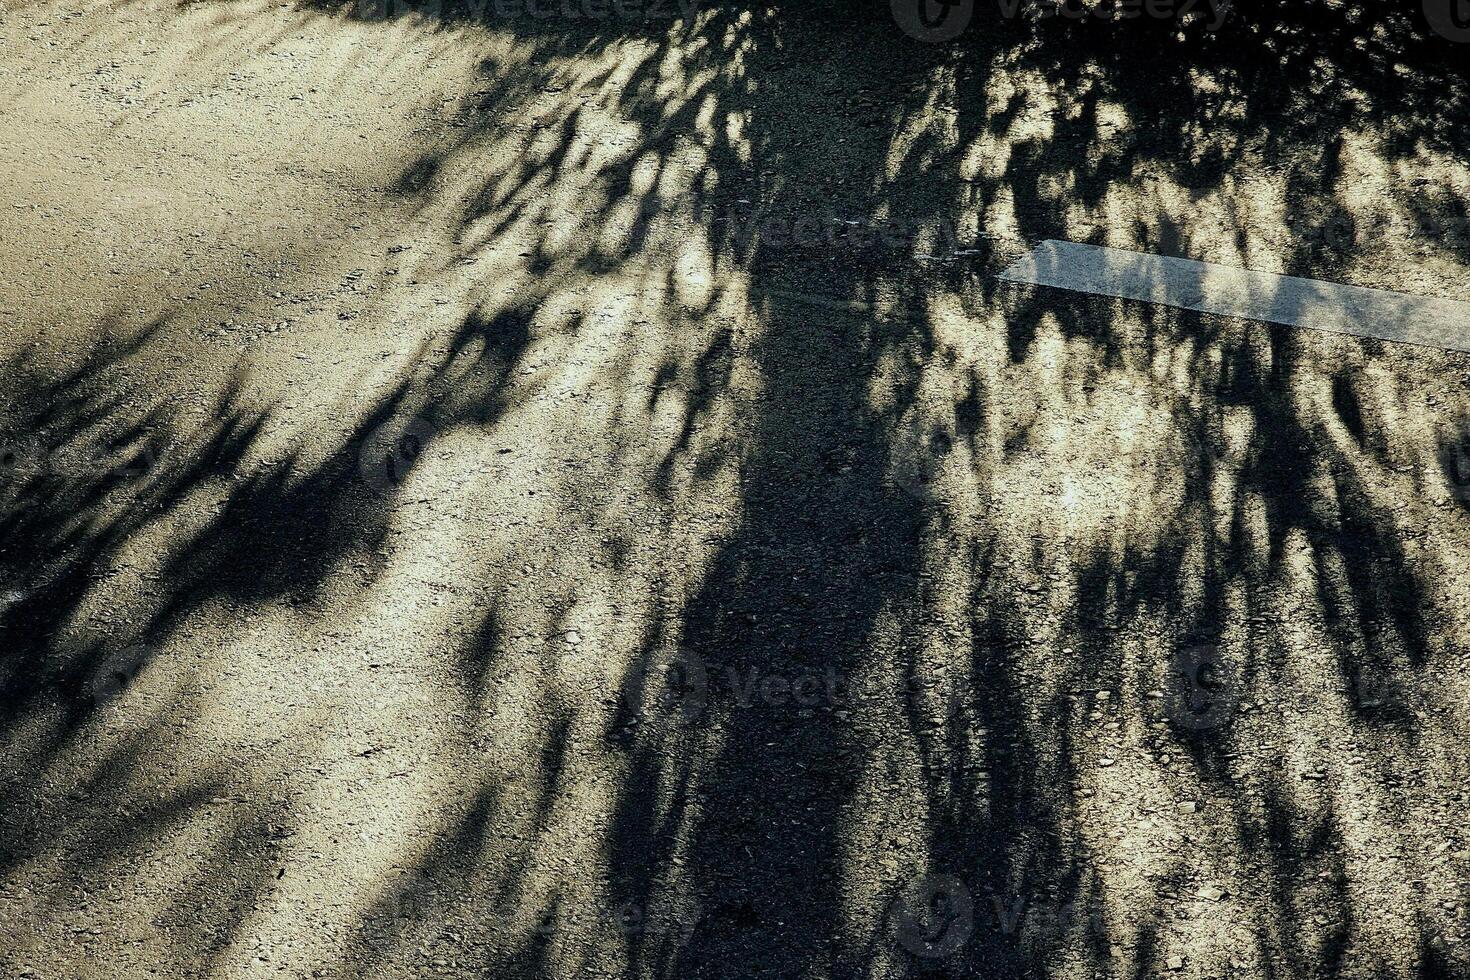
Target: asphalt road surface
495	494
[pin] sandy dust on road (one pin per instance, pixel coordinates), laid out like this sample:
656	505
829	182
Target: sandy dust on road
388	403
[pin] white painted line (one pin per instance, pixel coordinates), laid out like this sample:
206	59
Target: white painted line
1210	288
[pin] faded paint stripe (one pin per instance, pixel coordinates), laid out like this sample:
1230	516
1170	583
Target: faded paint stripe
1210	288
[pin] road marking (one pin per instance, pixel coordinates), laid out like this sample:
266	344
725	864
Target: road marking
1210	288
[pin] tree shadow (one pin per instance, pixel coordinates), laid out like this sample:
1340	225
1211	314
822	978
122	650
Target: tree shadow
988	584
